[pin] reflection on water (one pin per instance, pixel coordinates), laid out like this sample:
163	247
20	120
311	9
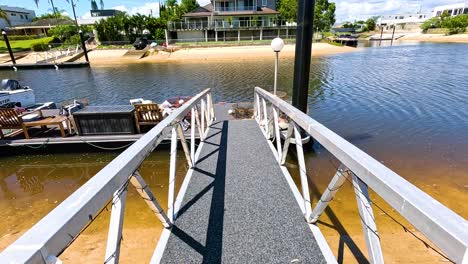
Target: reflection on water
32	185
405	105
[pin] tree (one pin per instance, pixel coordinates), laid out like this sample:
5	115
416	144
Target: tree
288	10
188	5
51	2
324	16
94	5
4	16
370	24
324	13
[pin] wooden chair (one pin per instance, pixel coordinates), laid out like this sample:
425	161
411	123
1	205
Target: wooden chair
10	119
147	114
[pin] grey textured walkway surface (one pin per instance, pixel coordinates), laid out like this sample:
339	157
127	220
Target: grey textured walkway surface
238	207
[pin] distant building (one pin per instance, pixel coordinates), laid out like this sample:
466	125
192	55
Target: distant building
16	16
452	10
407	18
39	27
232	20
97	15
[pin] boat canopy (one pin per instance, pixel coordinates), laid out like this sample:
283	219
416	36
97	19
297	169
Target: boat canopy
10	85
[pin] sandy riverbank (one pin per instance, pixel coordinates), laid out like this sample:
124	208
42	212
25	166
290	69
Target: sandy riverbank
458	38
105	57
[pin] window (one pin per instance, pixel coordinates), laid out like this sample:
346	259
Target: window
450	12
26	16
466	11
12	14
420	17
22	17
396	17
264	2
455	12
439	13
401	17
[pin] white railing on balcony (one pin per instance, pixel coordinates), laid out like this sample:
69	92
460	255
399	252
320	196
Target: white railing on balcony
234	24
234	8
447	230
46	240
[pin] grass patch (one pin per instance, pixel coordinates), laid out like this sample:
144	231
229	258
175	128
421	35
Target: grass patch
22	45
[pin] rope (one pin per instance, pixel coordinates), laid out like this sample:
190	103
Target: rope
406	229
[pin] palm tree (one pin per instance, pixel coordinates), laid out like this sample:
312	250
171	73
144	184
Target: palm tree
54	10
4	15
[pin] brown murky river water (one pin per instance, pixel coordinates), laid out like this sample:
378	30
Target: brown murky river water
405	106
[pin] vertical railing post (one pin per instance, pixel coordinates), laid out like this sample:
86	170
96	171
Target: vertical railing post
278	136
207	112
302	171
197	119
287	140
212	117
114	237
258	113
367	220
192	136
335	184
185	147
265	120
172	174
203	115
143	189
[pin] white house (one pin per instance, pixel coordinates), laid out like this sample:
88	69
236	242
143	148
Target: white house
452	10
407	18
16	15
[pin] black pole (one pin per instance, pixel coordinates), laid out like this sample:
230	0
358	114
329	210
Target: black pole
83	44
393	34
381	34
12	56
305	31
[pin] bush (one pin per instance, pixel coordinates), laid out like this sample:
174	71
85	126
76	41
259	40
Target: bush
456	24
21	37
73	40
41	46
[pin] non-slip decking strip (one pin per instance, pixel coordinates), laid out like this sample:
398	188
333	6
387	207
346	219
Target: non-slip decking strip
238	207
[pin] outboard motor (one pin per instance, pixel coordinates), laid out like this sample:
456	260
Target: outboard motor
140	43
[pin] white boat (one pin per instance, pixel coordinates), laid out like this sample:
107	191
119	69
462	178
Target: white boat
12	94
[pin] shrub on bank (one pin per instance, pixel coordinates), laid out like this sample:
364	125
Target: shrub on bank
454	25
41	46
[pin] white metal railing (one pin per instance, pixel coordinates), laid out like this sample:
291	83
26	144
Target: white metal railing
46	240
443	227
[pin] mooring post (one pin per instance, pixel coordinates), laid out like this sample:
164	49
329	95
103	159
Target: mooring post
5	37
393	34
381	35
305	30
83	44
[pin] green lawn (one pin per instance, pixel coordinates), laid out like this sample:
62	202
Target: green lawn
22	45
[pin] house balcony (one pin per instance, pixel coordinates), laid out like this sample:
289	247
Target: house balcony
235	9
229	25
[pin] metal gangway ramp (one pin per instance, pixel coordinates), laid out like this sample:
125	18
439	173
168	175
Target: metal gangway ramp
238	203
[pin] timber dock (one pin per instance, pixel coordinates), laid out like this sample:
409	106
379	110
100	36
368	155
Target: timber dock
238	203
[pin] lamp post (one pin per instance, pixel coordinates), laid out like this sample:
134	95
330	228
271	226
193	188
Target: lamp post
7	42
277	45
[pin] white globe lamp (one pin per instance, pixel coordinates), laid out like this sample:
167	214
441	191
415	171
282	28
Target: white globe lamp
277	44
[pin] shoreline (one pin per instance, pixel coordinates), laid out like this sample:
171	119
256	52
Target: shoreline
440	38
197	55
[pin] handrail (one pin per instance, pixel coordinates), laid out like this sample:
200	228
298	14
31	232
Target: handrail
53	233
446	229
